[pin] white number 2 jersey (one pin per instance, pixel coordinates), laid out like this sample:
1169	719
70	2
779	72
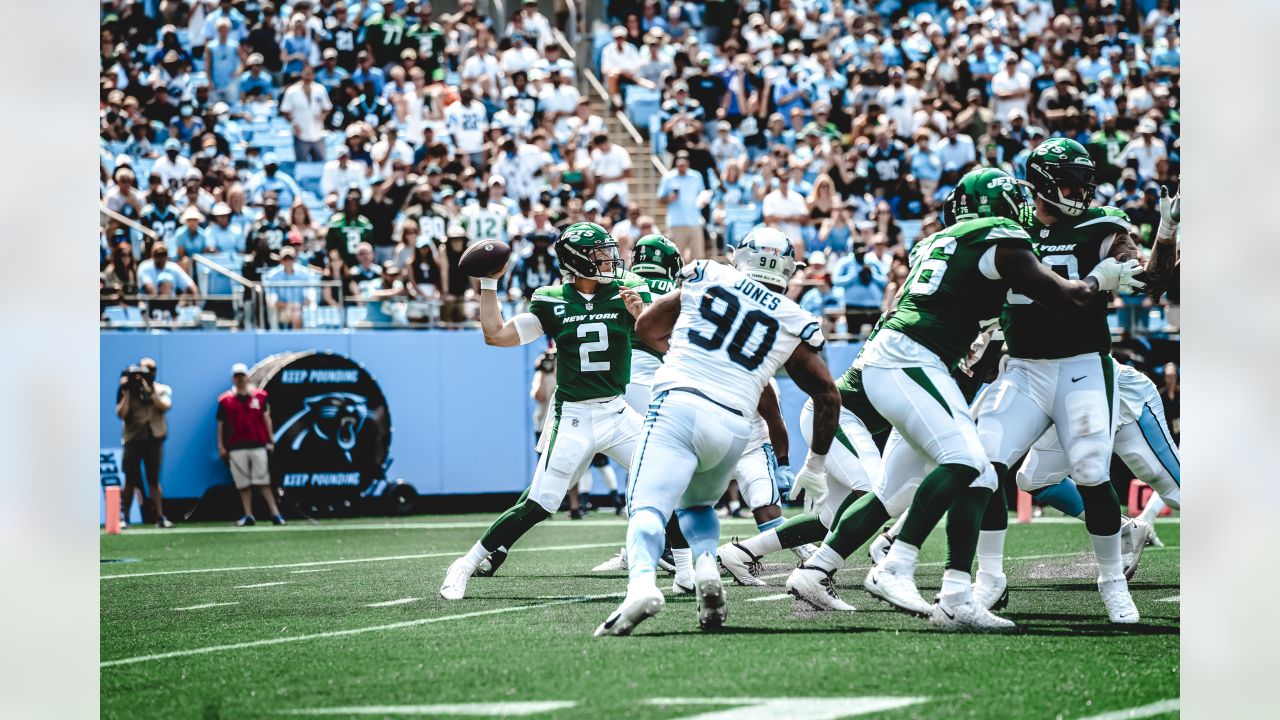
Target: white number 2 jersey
731	337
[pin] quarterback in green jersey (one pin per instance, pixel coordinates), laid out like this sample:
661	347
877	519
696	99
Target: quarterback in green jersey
590	318
1060	373
934	461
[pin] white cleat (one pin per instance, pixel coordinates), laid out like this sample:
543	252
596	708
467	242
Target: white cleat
711	606
455	580
961	612
741	564
991	591
617	562
879	548
817	588
634	610
682	585
805	551
1155	539
896	589
1134	539
1120	607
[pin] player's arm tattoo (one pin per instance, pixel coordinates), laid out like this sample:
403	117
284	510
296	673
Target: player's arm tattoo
771	412
1028	276
655	323
811	375
1159	271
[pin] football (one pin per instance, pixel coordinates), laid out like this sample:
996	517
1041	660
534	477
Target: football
484	258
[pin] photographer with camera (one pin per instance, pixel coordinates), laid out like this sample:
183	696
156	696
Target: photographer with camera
141	403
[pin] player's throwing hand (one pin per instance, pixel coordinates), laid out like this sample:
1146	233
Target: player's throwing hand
635	304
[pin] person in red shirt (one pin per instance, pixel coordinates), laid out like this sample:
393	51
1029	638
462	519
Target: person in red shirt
244	441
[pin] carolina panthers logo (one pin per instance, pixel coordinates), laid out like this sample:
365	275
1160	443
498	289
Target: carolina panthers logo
332	418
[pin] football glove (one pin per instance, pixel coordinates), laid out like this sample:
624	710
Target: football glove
784	477
1111	274
812	478
1170	214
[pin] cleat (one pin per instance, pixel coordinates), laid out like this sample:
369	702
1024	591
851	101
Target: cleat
245	521
1134	539
575	514
1119	603
667	561
879	548
741	564
1154	539
711	606
991	591
682	586
896	589
617	562
817	588
164	523
277	520
804	552
489	566
634	610
960	612
455	580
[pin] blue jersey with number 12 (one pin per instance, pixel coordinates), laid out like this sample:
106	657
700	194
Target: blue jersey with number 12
732	335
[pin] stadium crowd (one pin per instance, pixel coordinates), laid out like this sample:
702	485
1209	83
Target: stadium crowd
367	144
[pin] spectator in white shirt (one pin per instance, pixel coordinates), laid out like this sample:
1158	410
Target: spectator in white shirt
1146	149
306	105
172	168
786	210
726	146
466	121
900	102
481	69
619	62
956	150
513	121
519	56
559	99
342	173
1011	87
611	168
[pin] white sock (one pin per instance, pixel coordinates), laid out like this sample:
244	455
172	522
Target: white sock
1153	508
476	555
1107	550
825	559
734	506
684	562
609	476
902	557
991	552
897	527
763	544
956	582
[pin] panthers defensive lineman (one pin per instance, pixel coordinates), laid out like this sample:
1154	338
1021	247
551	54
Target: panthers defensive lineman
591	320
1060	372
959	279
726	332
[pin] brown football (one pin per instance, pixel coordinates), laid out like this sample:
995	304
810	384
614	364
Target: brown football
484	258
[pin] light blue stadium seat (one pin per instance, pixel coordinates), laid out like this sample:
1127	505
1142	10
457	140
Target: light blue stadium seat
356	314
642	104
321	316
307	175
123	316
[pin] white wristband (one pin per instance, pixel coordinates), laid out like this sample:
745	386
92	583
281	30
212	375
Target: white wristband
489	284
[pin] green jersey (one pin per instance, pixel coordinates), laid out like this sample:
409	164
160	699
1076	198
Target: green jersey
386	35
1071	248
657	286
344	234
953	286
592	337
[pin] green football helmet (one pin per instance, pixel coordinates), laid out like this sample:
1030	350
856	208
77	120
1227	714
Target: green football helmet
1062	174
984	192
584	249
656	257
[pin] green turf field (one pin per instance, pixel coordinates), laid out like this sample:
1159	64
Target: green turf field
210	621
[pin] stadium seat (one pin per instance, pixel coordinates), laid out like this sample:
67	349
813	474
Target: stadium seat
642	105
307	175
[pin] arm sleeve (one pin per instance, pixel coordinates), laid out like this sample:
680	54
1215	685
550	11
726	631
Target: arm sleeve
528	327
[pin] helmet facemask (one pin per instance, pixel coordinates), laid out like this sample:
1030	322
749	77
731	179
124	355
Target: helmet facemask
602	263
1067	190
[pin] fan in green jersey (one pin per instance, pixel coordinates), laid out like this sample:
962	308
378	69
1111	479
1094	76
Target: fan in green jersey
590	320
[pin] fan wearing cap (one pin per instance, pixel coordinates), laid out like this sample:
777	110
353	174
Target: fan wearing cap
514	122
245	441
288	291
1055	102
590	318
149	271
172	167
191	238
1145	149
619	62
256	77
681	113
224	237
272	179
348	227
341	173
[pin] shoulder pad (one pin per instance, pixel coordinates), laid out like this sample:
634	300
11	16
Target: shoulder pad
550	293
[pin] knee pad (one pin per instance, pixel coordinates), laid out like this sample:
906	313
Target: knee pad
1089	471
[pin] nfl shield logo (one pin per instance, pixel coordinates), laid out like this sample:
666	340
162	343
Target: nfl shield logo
589	305
1044	232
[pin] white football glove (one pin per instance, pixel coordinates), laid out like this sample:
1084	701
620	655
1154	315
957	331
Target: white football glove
812	478
1170	214
1111	274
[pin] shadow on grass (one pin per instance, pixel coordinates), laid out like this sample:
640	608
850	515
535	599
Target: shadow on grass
739	630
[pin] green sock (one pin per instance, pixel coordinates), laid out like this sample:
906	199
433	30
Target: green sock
1101	509
996	516
938	491
801	529
524	495
857	524
963	520
513	524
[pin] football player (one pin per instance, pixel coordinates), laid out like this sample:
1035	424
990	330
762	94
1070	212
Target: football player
591	320
726	331
959	279
1060	372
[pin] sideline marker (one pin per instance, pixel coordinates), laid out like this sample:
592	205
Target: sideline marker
1024	507
113	509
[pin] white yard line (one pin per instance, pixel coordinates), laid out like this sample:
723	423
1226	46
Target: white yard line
389	603
1175	598
261	585
459	525
206	605
345	633
501	709
767	598
312	570
385	558
1163	707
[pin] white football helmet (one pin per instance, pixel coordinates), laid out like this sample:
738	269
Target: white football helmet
766	255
